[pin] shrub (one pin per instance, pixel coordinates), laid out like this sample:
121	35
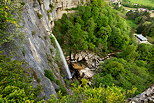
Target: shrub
85	94
33	32
40	2
51	50
52	39
123	74
39	15
15	82
51	8
94	27
8	21
49	75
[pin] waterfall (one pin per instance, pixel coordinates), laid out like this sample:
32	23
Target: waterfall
62	58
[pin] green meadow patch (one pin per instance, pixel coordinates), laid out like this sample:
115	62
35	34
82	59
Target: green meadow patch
144	2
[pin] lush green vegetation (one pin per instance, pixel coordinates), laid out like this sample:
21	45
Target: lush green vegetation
5	20
150	39
49	74
8	24
133	68
124	74
15	82
149	3
95	27
143	23
98	28
86	94
139	4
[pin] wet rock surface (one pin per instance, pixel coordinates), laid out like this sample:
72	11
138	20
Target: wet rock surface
90	60
86	62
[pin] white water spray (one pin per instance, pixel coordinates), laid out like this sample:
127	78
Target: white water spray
62	58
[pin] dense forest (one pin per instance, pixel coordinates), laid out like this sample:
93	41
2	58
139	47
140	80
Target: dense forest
144	22
99	28
95	27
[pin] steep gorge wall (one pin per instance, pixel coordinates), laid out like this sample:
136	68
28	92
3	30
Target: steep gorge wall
36	47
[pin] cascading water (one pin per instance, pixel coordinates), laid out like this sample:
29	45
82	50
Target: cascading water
62	58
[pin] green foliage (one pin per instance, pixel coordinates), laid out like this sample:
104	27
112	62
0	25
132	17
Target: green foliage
139	4
146	53
124	74
40	2
85	94
95	27
51	50
33	33
51	8
130	53
39	15
50	75
15	82
132	24
146	3
146	27
142	21
53	41
8	23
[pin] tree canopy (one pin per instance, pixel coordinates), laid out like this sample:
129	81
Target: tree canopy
91	26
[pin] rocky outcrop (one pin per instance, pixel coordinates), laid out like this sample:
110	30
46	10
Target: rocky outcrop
86	73
86	62
146	97
90	60
78	66
35	47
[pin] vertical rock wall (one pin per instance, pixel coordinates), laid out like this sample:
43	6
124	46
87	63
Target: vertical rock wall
36	48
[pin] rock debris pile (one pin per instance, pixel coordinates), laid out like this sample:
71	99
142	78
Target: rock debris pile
86	62
145	97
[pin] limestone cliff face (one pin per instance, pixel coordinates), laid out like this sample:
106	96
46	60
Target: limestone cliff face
36	48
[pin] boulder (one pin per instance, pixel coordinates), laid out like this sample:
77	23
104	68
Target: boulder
145	97
78	66
86	73
88	57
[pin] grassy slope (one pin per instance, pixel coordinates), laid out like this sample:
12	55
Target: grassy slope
152	15
150	39
144	2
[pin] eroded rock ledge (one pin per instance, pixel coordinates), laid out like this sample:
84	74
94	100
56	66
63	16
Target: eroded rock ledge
86	62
